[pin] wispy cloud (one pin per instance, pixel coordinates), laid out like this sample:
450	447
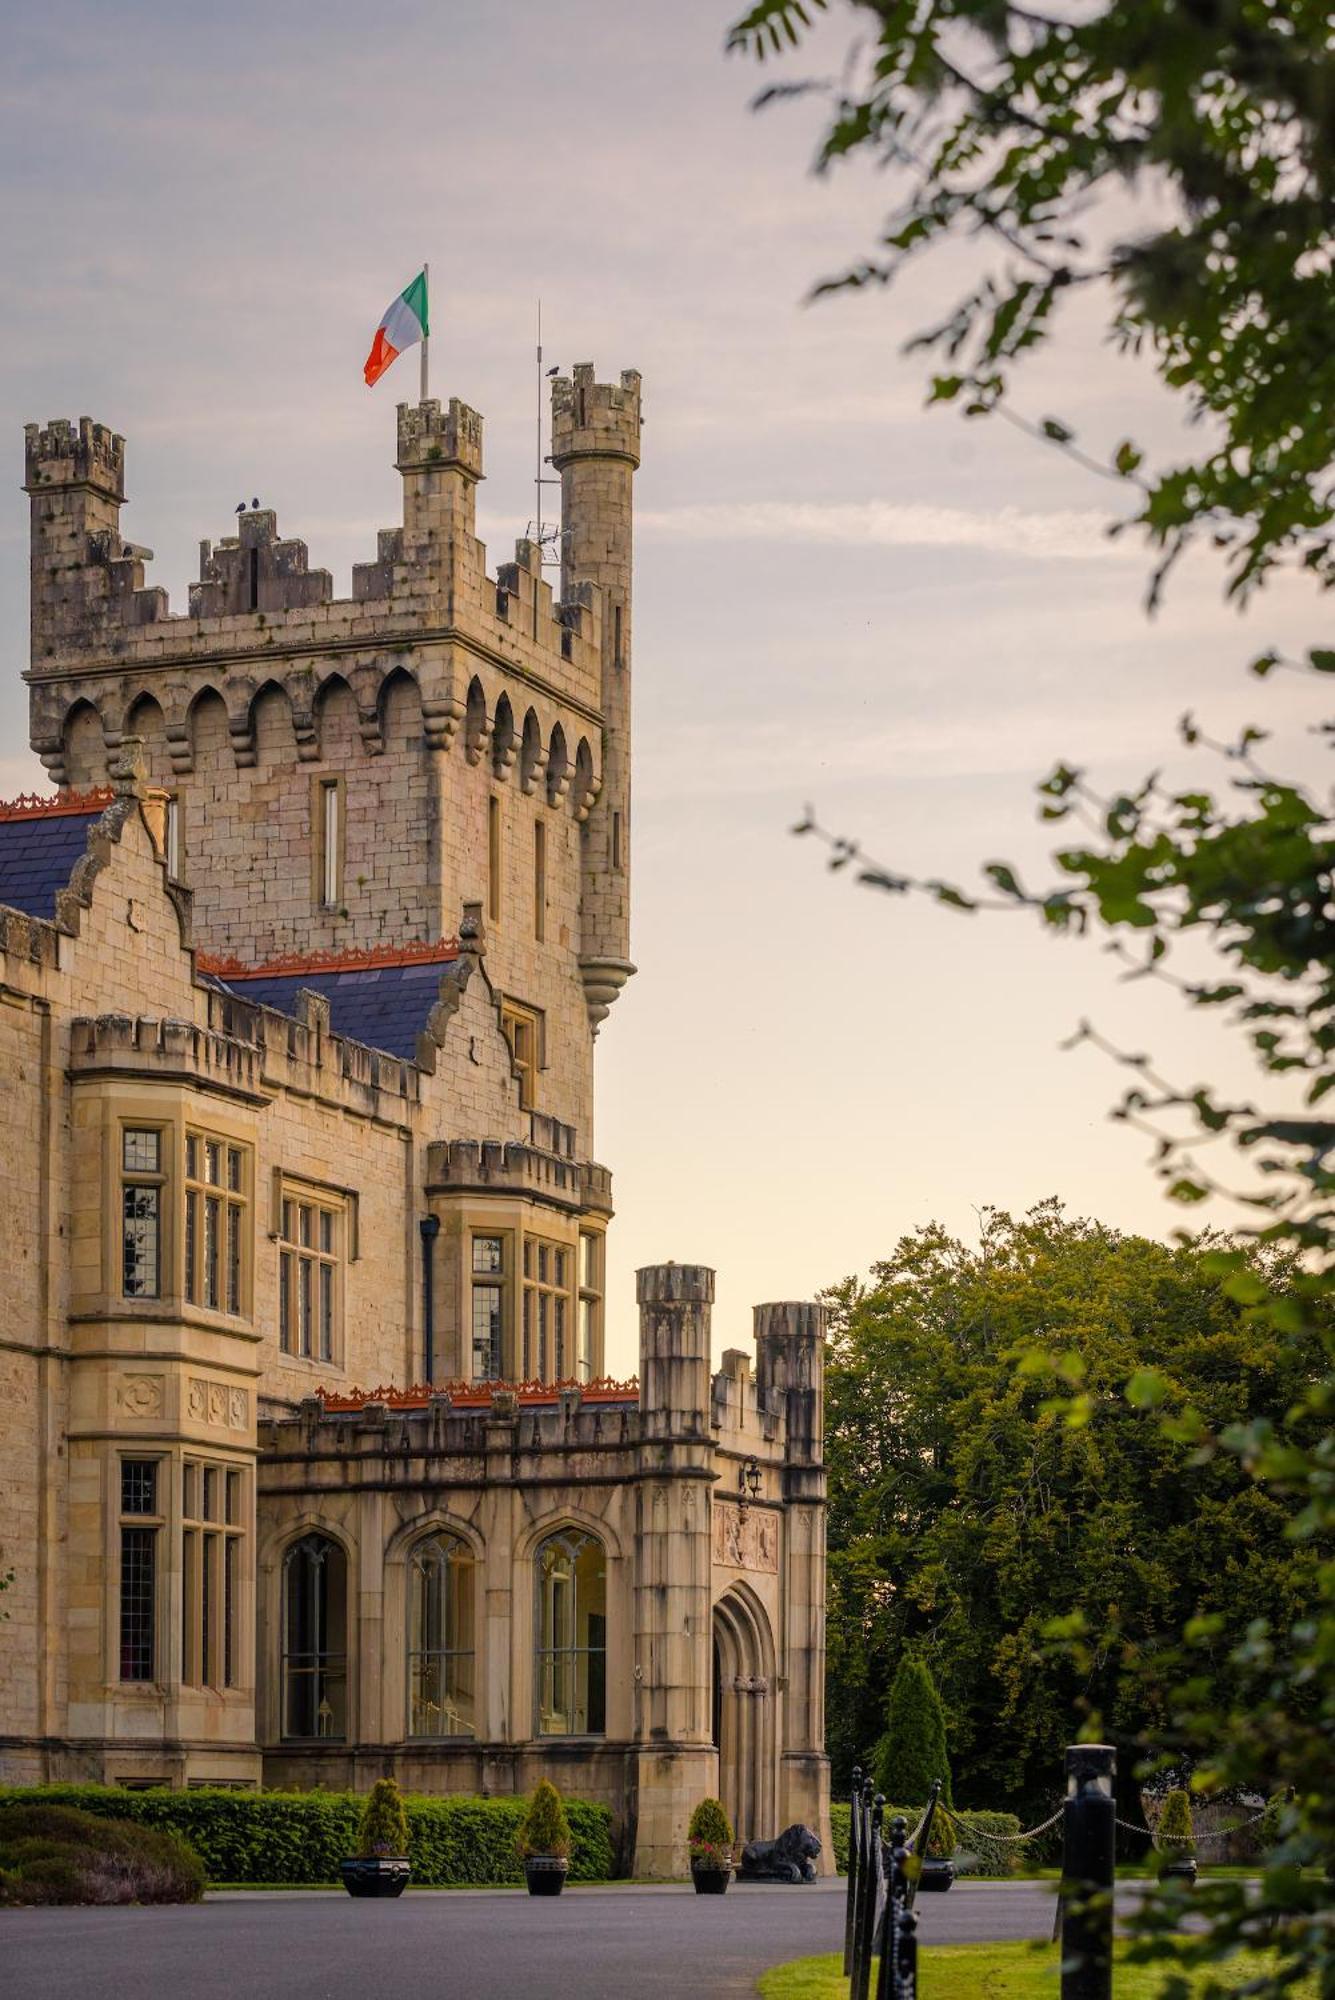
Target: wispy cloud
1064	535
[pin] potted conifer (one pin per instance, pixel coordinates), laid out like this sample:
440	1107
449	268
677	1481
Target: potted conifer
1173	1835
380	1866
710	1837
543	1841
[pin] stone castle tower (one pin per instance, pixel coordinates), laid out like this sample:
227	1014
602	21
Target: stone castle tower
349	773
317	1468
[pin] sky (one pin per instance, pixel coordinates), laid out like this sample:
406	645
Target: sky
842	597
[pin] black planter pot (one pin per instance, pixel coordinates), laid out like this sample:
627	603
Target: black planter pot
936	1875
546	1874
1179	1871
375	1875
710	1881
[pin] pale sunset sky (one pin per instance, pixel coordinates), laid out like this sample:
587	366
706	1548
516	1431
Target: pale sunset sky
842	597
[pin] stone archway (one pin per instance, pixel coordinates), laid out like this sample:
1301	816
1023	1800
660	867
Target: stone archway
744	1713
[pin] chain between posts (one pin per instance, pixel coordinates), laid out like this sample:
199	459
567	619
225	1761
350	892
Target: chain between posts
1190	1839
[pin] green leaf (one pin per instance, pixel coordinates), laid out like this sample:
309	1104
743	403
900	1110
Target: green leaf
1146	1389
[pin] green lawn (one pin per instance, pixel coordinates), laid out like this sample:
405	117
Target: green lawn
994	1972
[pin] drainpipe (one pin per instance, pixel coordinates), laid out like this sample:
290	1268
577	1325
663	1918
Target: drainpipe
430	1229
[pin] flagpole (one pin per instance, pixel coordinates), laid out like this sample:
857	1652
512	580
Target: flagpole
426	289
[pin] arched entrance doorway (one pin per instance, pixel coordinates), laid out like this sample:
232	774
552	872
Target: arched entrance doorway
744	1713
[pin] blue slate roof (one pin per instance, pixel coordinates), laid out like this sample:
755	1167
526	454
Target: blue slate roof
38	856
384	1006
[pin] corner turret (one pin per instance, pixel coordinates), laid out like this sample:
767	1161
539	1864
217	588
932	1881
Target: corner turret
75	478
596	449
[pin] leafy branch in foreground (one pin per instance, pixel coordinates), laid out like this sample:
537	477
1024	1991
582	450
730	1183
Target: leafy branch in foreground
1019	128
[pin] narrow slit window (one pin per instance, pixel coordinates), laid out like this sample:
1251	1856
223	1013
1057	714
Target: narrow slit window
616	840
493	860
172	832
331	841
539	880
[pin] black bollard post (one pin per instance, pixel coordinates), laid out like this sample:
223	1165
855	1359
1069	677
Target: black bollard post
860	1893
1089	1847
869	1904
852	1886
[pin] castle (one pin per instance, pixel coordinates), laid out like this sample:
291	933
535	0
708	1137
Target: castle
312	1467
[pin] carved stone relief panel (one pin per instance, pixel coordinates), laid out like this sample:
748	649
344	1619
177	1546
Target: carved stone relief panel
140	1395
747	1540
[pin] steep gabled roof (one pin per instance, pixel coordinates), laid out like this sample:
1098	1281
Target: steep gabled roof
381	997
41	843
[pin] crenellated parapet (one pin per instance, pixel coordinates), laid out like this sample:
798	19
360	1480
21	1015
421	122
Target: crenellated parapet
64	455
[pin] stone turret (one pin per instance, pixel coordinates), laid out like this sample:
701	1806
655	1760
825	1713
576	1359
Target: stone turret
75	478
675	1302
596	449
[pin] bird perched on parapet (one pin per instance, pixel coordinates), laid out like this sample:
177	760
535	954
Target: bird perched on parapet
553	371
240	506
255	505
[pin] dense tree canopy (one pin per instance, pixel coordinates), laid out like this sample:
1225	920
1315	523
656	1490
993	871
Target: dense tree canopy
967	1512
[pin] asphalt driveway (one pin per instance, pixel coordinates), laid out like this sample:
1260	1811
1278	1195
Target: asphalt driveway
618	1943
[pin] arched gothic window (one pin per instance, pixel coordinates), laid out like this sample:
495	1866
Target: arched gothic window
571	1654
441	1685
315	1639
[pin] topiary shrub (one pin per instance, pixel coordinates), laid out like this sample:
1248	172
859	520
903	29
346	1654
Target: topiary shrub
1173	1834
710	1835
544	1828
55	1854
912	1753
383	1834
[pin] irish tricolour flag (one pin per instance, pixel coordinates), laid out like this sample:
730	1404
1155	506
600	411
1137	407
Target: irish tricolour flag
403	326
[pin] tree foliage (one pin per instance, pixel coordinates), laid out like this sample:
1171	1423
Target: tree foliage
1028	129
1013	124
912	1753
968	1511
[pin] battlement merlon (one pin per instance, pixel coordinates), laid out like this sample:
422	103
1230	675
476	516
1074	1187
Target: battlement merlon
430	438
595	419
57	455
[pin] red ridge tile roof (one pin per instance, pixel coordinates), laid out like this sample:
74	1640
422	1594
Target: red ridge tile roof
478	1395
56	805
367	959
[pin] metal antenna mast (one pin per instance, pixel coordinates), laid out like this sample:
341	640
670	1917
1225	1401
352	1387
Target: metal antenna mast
547	538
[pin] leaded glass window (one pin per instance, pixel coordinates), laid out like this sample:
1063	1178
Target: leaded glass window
441	1684
571	1653
315	1639
142	1182
139	1529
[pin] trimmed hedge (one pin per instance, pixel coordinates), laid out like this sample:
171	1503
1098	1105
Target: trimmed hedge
301	1837
980	1828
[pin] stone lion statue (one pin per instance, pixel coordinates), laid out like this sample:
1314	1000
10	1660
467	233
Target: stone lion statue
790	1858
